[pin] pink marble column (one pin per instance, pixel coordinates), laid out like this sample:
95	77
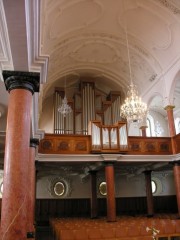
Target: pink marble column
176	170
94	203
172	130
143	130
14	212
31	189
149	195
110	185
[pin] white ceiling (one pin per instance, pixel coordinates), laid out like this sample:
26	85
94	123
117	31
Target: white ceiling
76	39
88	38
80	39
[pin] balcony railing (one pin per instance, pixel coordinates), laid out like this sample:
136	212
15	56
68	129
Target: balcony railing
82	144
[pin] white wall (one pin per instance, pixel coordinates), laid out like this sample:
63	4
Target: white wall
125	187
46	121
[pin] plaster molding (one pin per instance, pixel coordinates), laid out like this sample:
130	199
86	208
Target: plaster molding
103	157
5	50
95	12
171	6
37	61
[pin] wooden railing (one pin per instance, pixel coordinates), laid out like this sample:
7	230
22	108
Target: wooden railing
65	144
81	144
176	140
150	145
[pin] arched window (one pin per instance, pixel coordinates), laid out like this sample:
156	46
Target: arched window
150	129
177	125
1	188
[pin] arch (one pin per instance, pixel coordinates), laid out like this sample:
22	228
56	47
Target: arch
177	125
171	77
151	127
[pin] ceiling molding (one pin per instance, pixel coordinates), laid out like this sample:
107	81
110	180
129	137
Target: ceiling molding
38	62
5	50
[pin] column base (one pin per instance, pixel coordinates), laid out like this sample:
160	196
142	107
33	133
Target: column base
111	220
31	235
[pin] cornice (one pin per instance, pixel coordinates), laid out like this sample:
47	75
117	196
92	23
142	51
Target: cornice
38	62
103	158
5	50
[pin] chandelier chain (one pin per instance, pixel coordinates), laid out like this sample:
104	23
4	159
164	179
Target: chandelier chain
133	109
64	108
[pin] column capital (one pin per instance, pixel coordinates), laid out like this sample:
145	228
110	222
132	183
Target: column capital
175	163
143	127
146	172
169	107
34	142
109	163
21	80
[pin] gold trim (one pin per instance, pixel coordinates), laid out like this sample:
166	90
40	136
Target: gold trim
169	107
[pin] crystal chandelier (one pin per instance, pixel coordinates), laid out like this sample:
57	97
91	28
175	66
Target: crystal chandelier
133	109
64	109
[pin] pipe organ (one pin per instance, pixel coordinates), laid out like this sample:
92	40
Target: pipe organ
108	138
62	125
88	104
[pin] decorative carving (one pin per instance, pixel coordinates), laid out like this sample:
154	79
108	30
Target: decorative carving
95	52
81	146
47	145
170	6
135	147
87	18
150	147
164	147
153	77
63	146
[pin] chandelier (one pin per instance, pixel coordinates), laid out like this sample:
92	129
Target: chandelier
64	109
133	109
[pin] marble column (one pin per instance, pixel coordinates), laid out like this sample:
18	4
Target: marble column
149	195
110	185
21	87
172	130
94	203
31	189
176	170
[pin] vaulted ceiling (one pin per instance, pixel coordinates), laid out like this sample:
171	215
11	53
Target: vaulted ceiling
80	39
92	38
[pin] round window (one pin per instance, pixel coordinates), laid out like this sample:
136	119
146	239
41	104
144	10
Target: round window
102	188
1	188
59	188
154	186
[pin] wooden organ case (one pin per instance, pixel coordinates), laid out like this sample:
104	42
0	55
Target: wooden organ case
88	104
108	138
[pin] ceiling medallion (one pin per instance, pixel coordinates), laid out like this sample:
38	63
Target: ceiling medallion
133	109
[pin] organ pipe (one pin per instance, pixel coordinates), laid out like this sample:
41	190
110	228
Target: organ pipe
88	102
